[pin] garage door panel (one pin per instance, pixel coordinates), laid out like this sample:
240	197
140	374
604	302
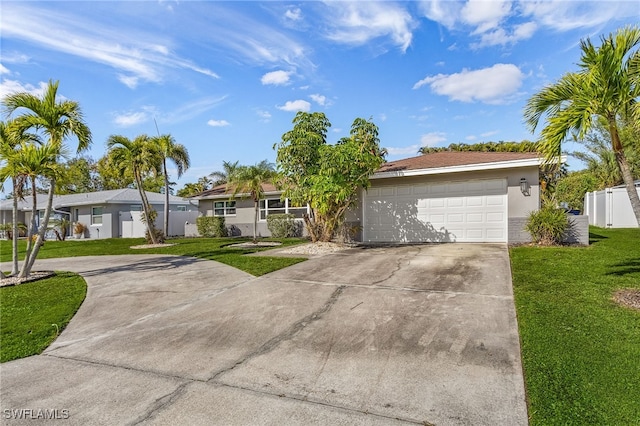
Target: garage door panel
473	211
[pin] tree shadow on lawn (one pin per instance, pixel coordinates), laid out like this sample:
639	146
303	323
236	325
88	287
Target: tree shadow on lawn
595	238
631	266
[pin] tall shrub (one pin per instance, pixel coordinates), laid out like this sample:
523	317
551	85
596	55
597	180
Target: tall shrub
548	226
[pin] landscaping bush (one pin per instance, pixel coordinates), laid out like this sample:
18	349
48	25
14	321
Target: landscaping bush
209	226
283	225
548	226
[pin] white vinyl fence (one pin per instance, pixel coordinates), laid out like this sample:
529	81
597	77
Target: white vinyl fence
610	208
131	225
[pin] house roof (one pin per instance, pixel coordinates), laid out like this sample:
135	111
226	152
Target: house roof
453	161
439	162
115	196
226	191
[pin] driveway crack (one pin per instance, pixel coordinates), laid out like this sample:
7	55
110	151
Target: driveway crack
160	403
289	333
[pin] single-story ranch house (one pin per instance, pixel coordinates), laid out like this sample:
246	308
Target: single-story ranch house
107	214
440	197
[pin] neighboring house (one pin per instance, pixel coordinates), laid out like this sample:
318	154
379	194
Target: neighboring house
611	207
107	214
440	197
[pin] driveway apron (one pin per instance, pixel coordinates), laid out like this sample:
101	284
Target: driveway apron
421	334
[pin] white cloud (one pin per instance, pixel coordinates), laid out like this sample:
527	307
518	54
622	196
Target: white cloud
499	37
470	138
494	85
298	105
319	99
8	87
565	15
276	78
357	23
135	55
4	70
428	139
506	22
130	119
218	123
294	14
265	116
432	139
442	11
490	133
485	15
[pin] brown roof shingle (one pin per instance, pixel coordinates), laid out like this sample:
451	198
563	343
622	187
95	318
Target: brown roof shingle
224	189
453	158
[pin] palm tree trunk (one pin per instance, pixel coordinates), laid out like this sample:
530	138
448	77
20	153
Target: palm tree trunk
146	208
34	200
166	198
14	237
42	229
627	177
255	221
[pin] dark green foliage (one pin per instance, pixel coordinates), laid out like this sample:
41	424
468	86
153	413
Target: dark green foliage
580	350
524	146
209	226
572	188
283	226
547	226
29	312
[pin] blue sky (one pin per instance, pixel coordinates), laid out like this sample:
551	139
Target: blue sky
226	78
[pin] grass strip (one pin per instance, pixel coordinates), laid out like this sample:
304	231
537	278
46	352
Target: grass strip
34	313
206	248
581	350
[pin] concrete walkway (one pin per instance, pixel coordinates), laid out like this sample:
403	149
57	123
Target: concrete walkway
388	335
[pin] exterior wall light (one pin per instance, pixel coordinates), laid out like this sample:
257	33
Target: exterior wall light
524	187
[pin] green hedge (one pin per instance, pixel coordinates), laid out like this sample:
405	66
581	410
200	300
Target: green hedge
282	225
209	226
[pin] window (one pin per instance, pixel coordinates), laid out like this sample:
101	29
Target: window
135	208
96	215
181	208
223	208
278	206
76	215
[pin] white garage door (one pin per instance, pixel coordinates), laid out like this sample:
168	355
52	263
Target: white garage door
466	211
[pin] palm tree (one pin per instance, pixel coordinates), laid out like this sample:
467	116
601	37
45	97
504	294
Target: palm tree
248	180
177	153
222	177
139	156
57	120
607	86
11	138
30	162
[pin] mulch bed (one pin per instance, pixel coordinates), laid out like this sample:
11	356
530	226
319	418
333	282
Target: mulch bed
33	276
629	297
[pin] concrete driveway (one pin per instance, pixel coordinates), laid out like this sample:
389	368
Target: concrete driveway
386	335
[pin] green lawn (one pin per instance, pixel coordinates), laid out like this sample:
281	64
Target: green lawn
33	314
581	351
205	248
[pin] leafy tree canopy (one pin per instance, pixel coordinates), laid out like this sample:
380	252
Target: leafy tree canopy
327	177
501	146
